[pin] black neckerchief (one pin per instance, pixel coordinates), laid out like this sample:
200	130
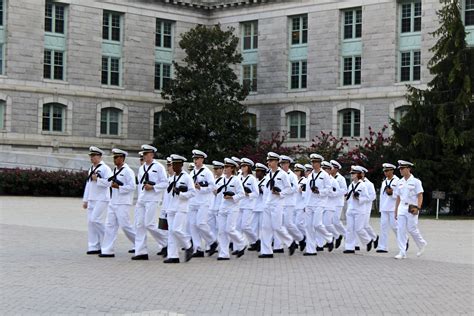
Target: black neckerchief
353	189
196	174
301	179
248	176
312	183
145	174
388	185
114	177
271	182
224	186
219	179
92	171
173	184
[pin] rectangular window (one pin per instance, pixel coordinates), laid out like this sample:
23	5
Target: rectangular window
111	25
250	35
111	71
469	12
299	74
350	123
297	124
353	24
249	77
411	17
110	121
53	118
164	34
410	66
162	75
351	71
299	30
53	66
1	12
2	114
54	17
1	58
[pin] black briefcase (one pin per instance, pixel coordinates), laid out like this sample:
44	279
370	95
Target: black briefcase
163	223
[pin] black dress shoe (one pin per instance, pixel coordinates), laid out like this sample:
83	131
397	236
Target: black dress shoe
94	252
376	242
163	252
259	244
188	253
319	248
252	247
140	257
213	248
103	255
357	248
171	260
330	246
222	259
408	245
240	253
235	252
198	254
369	245
381	251
302	244
231	246
338	241
131	251
349	251
292	248
265	256
278	251
307	254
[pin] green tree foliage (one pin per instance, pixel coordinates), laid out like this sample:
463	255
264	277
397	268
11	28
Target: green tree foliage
437	131
204	110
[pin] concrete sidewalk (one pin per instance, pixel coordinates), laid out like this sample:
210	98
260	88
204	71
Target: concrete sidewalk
44	270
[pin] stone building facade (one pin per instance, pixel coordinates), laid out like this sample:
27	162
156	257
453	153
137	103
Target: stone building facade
80	72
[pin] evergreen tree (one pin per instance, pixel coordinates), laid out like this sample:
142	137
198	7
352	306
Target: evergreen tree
437	131
204	110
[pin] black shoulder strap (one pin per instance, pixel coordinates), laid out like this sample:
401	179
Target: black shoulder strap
92	171
145	173
248	176
196	174
219	179
352	191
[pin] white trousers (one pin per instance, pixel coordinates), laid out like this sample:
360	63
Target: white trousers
408	223
290	224
387	221
315	230
266	234
95	223
279	230
244	224
178	235
337	222
198	224
257	218
355	228
212	221
300	220
328	222
370	231
117	216
227	227
146	220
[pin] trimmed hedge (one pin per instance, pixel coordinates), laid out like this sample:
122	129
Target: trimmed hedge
39	182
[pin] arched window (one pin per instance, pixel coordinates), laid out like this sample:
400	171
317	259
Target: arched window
296	122
54	117
110	121
349	123
250	120
400	112
157	117
2	114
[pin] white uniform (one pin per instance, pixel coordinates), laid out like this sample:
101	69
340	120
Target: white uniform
340	204
272	222
368	208
289	210
227	217
97	196
199	208
259	208
147	207
331	205
177	210
387	211
214	206
408	190
118	212
246	205
300	214
315	204
355	225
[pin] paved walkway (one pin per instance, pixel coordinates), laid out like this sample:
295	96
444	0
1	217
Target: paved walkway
44	270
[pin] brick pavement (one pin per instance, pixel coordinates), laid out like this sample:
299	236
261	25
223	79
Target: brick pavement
44	270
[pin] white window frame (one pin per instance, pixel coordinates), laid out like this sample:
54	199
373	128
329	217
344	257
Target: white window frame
300	30
411	66
253	71
123	121
55	5
52	65
253	35
412	16
109	31
52	106
108	121
353	123
353	24
161	77
464	10
162	23
352	71
300	74
7	114
109	71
